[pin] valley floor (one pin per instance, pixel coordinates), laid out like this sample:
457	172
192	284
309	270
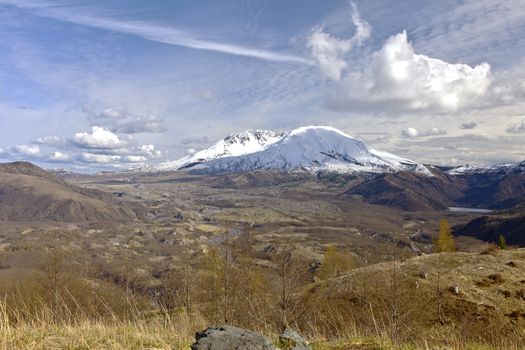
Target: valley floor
225	248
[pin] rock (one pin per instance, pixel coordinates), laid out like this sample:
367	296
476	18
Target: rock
423	275
454	290
293	341
228	338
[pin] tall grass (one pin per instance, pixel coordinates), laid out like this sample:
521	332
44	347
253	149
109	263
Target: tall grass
37	325
59	309
69	329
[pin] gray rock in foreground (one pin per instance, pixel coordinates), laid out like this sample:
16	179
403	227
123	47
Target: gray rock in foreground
293	340
231	338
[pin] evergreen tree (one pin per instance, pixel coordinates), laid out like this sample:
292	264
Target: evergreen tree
445	240
502	243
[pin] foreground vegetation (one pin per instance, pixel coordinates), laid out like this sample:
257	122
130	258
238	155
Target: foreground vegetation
438	301
178	333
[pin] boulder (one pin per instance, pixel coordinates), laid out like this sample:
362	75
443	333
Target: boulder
228	338
293	341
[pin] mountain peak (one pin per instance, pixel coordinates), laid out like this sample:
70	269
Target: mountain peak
317	128
235	144
308	148
251	139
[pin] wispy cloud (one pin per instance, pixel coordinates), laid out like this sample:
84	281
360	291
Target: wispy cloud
491	29
151	32
329	51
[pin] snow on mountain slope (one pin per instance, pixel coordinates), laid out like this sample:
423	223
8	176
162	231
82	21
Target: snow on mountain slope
501	169
314	148
233	145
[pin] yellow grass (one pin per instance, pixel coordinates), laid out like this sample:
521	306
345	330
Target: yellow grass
168	334
139	333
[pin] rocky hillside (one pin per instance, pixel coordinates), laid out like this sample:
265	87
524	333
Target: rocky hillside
471	292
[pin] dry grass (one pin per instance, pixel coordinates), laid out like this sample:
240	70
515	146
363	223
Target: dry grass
369	308
88	334
164	331
49	330
176	333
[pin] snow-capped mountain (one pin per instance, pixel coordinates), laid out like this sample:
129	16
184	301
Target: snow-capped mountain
238	144
311	148
64	173
501	169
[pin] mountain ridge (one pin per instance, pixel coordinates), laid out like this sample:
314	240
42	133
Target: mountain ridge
308	148
29	193
234	144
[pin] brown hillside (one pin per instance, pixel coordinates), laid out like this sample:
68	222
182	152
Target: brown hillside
489	228
460	293
29	193
410	191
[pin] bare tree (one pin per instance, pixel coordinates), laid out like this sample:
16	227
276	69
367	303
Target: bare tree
291	274
52	272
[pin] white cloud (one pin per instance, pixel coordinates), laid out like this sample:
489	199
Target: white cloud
108	159
329	52
413	132
191	151
27	150
400	79
150	151
113	112
98	138
98	158
434	132
49	140
100	148
410	132
135	159
363	29
120	120
516	128
59	157
119	157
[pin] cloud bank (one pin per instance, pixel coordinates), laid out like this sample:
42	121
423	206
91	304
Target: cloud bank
400	79
120	120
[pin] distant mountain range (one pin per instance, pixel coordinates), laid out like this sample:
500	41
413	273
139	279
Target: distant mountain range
501	169
310	148
264	158
378	177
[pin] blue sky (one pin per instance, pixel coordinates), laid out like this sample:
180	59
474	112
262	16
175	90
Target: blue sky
93	85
